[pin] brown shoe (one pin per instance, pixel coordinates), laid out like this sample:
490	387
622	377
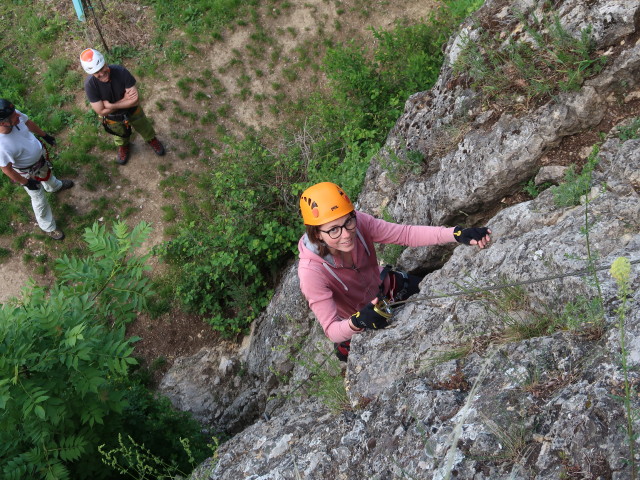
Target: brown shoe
123	154
56	234
158	148
66	184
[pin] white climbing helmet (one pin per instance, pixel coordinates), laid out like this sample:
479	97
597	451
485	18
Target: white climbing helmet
92	60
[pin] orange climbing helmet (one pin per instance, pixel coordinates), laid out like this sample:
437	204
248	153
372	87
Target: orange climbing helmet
324	202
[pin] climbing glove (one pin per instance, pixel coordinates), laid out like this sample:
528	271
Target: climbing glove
32	184
369	318
465	235
51	140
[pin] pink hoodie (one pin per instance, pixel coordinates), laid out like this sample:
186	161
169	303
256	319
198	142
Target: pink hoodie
335	292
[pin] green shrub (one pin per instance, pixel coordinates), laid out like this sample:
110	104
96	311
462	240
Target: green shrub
407	60
60	359
149	419
236	241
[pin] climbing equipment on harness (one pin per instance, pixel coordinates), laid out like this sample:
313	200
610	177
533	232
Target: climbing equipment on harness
383	307
324	202
6	109
91	60
122	119
39	171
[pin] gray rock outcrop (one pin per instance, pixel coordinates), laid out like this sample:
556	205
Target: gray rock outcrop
516	383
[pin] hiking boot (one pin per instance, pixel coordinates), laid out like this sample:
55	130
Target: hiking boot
56	234
66	184
123	154
158	148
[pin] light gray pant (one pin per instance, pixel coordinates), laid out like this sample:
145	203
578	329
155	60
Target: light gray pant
40	204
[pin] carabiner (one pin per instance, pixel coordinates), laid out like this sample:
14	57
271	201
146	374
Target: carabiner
383	308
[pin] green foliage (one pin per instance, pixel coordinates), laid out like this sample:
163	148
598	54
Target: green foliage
630	131
16	210
533	190
134	460
172	437
116	278
576	185
621	273
389	253
199	16
507	72
512	306
236	239
59	360
399	166
407	60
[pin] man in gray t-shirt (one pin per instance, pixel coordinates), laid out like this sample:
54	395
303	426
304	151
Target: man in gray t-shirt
23	160
112	93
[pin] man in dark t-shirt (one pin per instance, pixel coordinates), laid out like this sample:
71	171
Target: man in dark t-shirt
112	93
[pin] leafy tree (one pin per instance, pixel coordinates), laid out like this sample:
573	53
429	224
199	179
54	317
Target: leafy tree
60	361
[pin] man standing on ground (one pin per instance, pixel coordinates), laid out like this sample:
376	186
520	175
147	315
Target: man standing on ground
24	160
112	93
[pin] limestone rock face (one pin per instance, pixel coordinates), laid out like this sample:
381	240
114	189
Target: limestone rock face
227	389
520	381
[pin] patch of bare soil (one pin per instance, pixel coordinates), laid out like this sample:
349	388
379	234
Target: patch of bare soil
303	29
171	336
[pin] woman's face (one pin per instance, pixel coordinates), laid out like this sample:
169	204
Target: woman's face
344	242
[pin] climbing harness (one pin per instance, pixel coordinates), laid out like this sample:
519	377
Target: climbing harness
36	170
399	287
123	119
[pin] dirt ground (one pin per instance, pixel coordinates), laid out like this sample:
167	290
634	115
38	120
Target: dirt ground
176	333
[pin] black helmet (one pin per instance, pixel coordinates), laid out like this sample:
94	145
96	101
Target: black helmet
6	109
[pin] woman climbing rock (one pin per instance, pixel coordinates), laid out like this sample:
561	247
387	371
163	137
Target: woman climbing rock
339	271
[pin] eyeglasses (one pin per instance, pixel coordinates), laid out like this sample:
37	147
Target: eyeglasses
336	231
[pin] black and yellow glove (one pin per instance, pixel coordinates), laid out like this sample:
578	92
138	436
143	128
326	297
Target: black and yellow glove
369	318
465	235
